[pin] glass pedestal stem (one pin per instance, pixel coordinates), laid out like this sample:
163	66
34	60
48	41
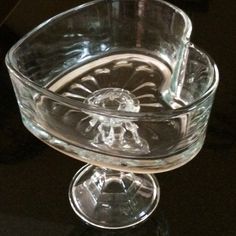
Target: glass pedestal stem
112	199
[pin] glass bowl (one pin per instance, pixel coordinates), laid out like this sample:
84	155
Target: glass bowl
118	85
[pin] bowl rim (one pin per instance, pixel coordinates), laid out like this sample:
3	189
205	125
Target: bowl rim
9	61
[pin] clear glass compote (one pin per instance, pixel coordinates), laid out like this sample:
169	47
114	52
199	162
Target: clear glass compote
118	85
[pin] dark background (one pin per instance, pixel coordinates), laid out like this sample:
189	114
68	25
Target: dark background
196	200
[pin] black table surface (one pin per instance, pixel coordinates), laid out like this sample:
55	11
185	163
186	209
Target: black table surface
198	199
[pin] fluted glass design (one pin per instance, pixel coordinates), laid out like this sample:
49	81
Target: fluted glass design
148	135
122	56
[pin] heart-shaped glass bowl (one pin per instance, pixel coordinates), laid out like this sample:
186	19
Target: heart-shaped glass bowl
115	84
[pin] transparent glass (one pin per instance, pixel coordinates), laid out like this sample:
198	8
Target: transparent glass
118	85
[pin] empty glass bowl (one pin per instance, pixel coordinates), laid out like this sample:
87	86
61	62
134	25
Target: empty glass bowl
118	85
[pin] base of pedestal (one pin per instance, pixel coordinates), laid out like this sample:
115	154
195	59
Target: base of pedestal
111	199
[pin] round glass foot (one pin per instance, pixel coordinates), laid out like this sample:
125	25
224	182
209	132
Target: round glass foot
112	199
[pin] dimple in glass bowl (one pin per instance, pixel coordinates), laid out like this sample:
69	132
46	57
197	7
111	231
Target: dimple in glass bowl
118	85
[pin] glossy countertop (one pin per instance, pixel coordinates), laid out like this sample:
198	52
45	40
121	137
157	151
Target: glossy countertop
198	199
